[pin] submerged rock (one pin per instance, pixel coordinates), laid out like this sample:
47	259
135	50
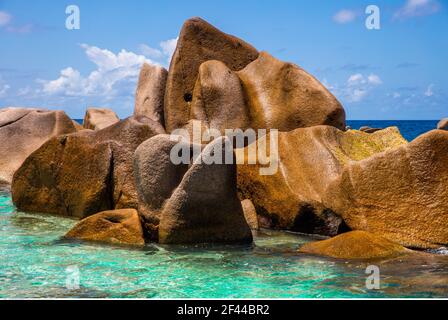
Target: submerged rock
205	208
199	42
115	227
443	124
355	245
83	173
400	194
99	118
22	131
150	93
309	159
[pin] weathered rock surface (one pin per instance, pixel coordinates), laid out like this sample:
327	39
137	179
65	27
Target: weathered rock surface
115	227
367	129
309	159
400	194
83	173
355	245
199	42
218	98
283	96
78	126
205	208
99	118
250	214
22	131
156	179
150	93
443	124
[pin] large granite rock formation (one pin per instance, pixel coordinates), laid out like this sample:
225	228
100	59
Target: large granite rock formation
355	245
205	208
400	194
199	42
114	227
283	96
309	159
22	131
83	173
150	93
182	203
99	118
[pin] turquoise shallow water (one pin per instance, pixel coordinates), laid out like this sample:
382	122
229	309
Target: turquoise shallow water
35	263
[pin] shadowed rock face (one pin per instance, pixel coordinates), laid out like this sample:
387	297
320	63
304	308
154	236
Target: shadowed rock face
199	42
115	227
401	194
22	131
309	159
283	96
99	118
150	93
181	203
83	173
443	124
355	245
205	207
156	178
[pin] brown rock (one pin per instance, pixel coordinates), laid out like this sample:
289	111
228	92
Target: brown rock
199	42
99	118
309	159
205	207
83	173
355	245
400	194
283	96
150	93
115	227
218	98
22	131
78	126
250	214
367	129
443	124
156	178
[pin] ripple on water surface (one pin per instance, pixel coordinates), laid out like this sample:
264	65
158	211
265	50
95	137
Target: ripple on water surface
35	263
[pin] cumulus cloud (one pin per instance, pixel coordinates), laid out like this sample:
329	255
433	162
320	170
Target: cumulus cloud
345	16
115	75
356	88
417	8
161	55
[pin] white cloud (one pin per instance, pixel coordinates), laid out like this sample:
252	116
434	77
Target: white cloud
163	54
345	16
417	8
5	18
396	95
115	75
356	88
429	92
4	87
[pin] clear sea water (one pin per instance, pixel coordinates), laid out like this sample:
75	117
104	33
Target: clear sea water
36	263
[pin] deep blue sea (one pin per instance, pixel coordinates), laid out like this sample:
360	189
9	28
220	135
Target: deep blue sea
410	129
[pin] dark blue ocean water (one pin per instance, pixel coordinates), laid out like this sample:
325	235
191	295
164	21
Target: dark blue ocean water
410	129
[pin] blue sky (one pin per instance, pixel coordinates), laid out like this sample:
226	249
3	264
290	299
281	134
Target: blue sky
397	72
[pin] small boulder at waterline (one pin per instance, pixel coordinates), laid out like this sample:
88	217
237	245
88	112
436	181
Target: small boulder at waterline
23	131
115	227
443	124
355	245
250	213
99	118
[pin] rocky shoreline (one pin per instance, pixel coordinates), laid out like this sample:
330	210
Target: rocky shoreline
371	191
